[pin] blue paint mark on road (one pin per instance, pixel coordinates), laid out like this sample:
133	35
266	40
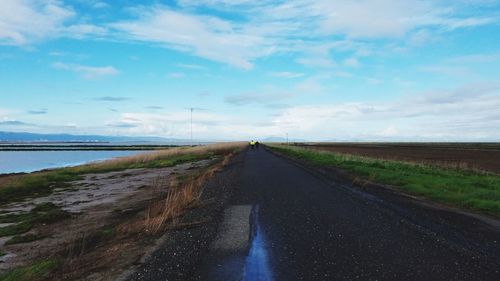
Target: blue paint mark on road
256	264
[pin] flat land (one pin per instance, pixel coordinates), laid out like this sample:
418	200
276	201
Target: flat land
482	156
304	224
79	147
95	221
273	213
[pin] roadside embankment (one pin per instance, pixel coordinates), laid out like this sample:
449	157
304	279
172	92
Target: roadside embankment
467	189
94	221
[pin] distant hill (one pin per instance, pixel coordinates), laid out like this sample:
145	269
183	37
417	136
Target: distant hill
280	139
32	137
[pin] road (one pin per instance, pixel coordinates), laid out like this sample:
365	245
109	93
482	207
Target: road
286	222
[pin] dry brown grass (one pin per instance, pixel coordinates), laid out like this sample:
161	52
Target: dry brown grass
179	199
127	242
20	187
119	242
217	148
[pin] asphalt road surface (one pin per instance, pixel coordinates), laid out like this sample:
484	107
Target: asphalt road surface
286	222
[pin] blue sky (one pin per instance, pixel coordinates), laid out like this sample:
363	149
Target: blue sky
315	69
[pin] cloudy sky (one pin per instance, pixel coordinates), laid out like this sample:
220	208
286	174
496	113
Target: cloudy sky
315	69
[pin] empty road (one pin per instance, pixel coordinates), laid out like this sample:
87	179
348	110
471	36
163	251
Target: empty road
286	223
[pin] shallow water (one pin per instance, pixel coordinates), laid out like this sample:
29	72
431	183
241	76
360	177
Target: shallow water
30	161
257	262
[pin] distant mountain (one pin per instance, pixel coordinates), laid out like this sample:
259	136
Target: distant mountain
32	137
280	139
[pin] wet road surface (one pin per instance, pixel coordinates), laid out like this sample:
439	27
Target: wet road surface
285	222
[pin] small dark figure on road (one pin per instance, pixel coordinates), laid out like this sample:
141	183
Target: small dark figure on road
256	144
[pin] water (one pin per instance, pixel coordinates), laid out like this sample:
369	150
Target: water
29	161
257	261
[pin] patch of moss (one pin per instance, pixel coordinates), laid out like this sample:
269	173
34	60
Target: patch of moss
23	239
15	229
42	213
37	271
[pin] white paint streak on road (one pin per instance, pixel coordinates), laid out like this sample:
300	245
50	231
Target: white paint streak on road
232	243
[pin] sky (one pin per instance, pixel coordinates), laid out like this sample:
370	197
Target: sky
317	70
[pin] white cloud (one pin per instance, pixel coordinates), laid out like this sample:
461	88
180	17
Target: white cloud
286	74
81	30
351	62
389	132
311	85
217	3
358	19
316	61
204	36
88	72
258	29
100	5
172	123
175	75
4	113
343	74
421	37
447	70
456	23
465	113
300	26
475	58
267	98
468	113
373	19
374	81
274	97
25	21
191	66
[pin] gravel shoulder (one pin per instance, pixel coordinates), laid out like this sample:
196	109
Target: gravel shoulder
179	253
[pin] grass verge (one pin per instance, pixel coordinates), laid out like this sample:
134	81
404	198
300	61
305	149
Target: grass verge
39	270
188	191
476	191
43	183
42	213
23	239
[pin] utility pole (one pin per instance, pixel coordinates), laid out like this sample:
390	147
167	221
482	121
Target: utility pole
191	138
286	138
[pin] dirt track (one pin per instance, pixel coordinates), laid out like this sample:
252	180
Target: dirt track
476	156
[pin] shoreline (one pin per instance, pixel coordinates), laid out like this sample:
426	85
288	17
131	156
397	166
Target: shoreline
57	159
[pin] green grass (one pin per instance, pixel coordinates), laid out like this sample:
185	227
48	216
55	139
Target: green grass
465	189
42	213
43	183
15	229
39	270
108	232
23	239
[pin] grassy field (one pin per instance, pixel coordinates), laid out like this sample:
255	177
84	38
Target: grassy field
467	189
471	156
37	271
43	183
